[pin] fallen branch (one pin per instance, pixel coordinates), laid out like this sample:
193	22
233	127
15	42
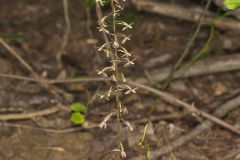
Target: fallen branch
85	126
54	81
191	14
19	116
206	66
177	102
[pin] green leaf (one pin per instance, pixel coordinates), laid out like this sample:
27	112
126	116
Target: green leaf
78	107
205	48
148	152
127	16
232	4
144	136
77	118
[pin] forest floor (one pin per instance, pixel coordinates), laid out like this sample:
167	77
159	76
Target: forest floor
34	29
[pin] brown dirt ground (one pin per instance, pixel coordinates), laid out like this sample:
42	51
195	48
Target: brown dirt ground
42	23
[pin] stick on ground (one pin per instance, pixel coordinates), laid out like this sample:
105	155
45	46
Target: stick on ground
203	67
177	102
191	14
19	116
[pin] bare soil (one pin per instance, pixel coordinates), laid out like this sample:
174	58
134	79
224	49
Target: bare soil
157	41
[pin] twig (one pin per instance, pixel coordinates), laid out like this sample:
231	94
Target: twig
172	100
202	67
11	76
87	79
158	61
66	34
18	116
220	112
50	130
188	47
11	109
191	14
19	58
54	81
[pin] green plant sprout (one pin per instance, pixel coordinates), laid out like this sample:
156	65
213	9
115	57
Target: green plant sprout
78	107
77	118
78	110
145	144
232	4
148	152
144	136
200	54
